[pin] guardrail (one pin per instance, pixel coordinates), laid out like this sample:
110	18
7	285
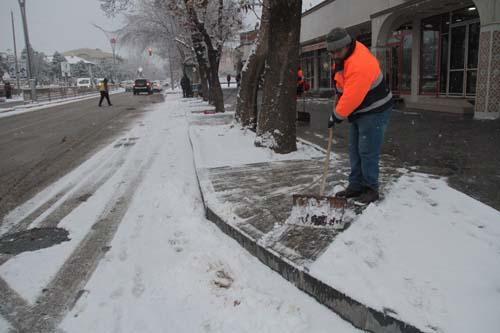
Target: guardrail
48	94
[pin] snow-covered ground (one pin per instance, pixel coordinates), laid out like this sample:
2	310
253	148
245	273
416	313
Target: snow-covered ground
20	109
167	268
427	254
228	145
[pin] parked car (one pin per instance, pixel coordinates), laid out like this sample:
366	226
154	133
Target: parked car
128	85
84	82
157	86
98	80
142	85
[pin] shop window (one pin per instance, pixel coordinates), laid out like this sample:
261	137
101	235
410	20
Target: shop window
456	82
307	65
443	72
454	47
406	70
457	52
429	55
324	69
398	59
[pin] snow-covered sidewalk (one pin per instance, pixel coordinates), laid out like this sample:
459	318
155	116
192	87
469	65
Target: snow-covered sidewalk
141	255
427	255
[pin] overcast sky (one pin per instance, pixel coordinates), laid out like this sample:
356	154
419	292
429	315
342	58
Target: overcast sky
60	25
65	25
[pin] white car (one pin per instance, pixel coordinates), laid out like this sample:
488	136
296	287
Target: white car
84	82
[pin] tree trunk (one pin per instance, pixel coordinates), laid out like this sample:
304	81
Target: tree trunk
199	50
246	107
215	88
213	56
204	82
170	69
276	126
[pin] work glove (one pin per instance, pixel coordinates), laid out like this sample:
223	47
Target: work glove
333	120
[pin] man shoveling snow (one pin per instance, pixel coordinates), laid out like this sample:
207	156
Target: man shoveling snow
365	100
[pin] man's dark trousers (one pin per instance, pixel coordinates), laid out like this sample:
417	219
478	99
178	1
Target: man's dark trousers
103	95
366	135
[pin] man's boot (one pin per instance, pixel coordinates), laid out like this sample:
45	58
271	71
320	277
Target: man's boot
349	193
369	195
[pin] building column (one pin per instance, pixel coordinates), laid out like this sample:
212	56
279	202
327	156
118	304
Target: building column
316	71
381	30
488	77
415	60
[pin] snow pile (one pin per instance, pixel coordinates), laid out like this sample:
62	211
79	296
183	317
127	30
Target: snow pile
427	254
228	145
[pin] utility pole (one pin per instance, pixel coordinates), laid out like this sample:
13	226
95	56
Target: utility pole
15	53
112	41
22	5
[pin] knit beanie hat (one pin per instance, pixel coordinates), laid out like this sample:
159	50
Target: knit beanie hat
337	39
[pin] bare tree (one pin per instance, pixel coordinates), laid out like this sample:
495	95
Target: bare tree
152	25
246	105
211	24
276	126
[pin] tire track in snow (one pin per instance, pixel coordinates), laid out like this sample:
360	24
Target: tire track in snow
13	305
62	292
78	197
85	186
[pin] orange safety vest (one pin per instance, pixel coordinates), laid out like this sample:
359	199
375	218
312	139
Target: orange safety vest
300	77
360	85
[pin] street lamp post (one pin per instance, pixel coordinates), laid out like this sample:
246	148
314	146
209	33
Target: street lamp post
112	41
15	53
31	76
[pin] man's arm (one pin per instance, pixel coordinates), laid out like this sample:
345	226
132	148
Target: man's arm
356	87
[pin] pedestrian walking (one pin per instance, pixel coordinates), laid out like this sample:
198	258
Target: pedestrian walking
104	90
228	78
364	99
8	90
238	79
300	82
184	86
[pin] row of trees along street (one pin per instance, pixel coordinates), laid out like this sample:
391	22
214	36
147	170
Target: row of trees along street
49	71
183	30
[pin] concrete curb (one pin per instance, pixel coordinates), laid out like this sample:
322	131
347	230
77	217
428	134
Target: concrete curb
356	313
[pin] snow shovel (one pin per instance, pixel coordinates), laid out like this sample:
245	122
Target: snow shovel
320	210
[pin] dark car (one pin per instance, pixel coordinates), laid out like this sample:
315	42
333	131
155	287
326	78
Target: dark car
157	86
142	85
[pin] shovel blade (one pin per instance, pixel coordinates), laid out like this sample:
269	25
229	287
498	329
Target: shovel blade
318	210
303	200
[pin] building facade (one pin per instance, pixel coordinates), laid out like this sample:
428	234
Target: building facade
441	55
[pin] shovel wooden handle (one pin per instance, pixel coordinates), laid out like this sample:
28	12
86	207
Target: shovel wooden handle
327	161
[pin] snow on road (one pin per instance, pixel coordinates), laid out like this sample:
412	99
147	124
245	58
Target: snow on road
25	108
166	268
